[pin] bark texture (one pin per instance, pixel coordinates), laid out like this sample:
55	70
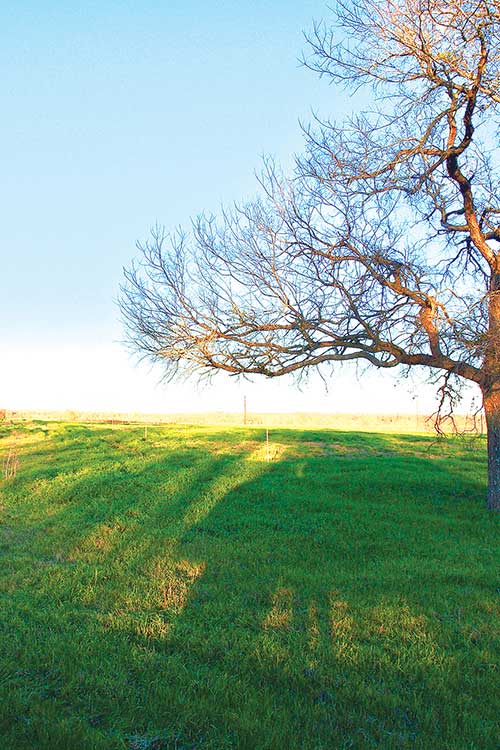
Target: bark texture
492	412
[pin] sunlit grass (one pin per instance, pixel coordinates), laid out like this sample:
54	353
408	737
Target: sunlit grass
200	590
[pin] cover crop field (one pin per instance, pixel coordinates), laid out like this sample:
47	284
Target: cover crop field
196	588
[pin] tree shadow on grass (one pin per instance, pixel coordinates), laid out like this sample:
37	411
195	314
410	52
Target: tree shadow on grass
71	577
327	613
236	603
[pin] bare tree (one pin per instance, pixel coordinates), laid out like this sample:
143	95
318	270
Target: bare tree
383	244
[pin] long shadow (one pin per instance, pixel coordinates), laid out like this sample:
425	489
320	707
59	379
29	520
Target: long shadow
80	573
310	628
230	603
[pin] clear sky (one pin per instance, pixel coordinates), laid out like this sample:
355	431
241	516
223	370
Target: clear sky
117	115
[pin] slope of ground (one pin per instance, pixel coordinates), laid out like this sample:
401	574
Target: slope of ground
200	588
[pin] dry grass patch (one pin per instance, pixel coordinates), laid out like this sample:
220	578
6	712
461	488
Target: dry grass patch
175	592
280	615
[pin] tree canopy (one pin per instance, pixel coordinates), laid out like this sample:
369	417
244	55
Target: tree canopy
382	246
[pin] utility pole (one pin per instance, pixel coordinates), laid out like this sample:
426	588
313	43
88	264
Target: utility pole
244	410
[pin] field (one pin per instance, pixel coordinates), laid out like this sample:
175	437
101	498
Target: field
412	423
195	588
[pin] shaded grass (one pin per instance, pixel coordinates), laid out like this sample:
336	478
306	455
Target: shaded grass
184	592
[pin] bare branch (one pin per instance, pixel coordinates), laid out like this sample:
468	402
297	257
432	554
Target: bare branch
382	246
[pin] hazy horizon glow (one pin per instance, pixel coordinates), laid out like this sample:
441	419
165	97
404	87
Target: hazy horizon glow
104	379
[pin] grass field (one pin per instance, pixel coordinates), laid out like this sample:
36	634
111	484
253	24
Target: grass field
198	590
400	423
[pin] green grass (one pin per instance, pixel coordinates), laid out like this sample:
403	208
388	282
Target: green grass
185	592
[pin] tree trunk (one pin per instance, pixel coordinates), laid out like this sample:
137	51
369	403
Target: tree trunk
492	412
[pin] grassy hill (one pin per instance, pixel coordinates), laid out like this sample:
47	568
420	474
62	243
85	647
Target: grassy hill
201	589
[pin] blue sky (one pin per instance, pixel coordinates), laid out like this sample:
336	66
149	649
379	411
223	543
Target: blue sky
118	115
